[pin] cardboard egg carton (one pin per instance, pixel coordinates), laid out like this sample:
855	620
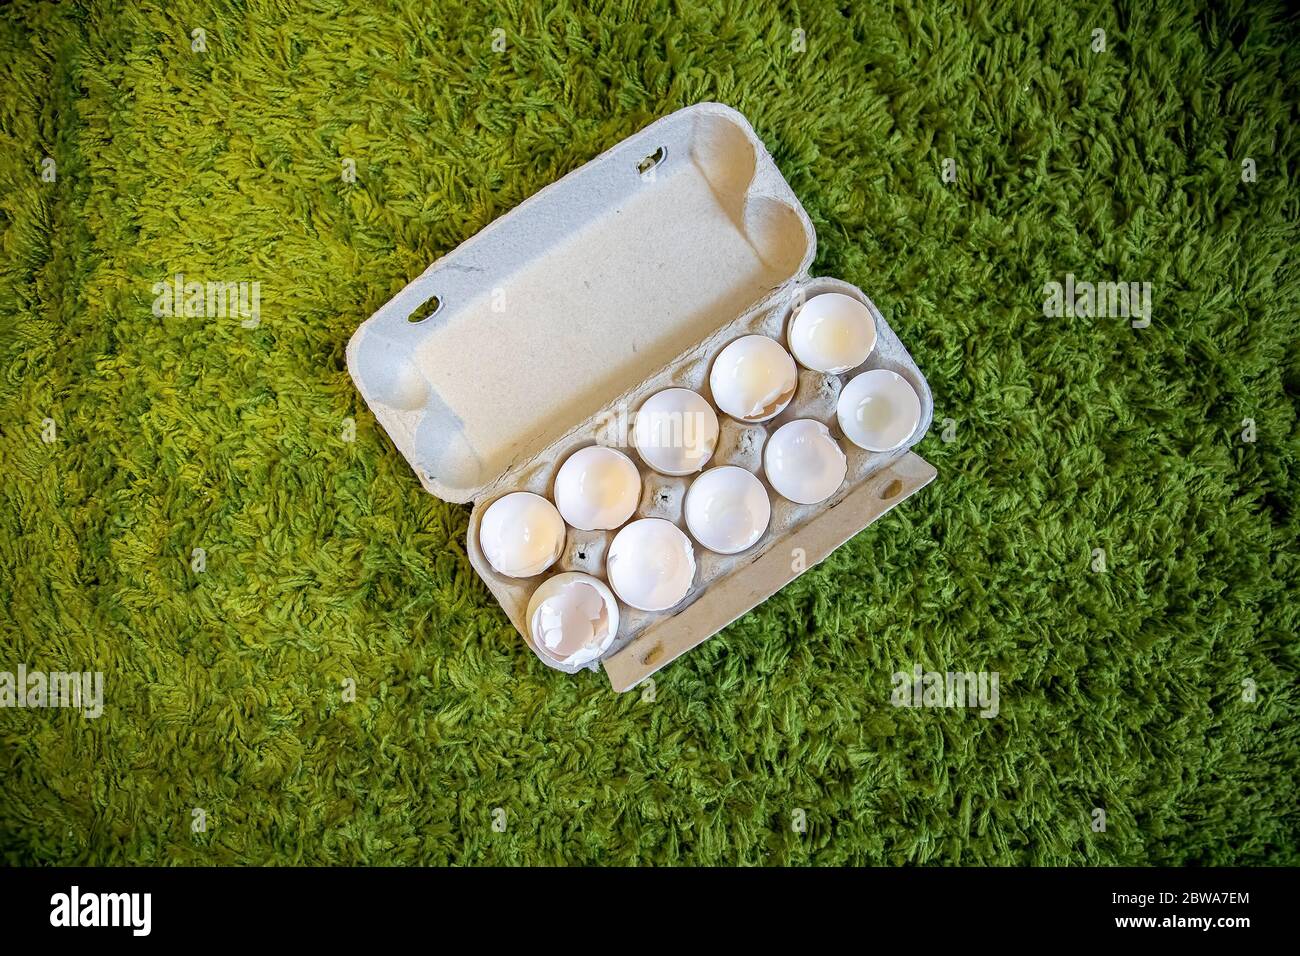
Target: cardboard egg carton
545	332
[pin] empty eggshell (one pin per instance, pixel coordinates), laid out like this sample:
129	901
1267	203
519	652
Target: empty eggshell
572	618
597	489
676	431
521	534
753	378
727	509
803	462
832	332
879	410
651	564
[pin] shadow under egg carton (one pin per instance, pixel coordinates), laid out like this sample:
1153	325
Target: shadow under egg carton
739	444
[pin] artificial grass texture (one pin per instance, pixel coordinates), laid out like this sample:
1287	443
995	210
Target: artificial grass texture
326	561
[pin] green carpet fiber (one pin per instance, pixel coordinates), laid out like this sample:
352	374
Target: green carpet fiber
1161	690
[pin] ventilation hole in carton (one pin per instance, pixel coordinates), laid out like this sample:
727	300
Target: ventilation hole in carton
653	655
427	310
582	555
651	161
891	489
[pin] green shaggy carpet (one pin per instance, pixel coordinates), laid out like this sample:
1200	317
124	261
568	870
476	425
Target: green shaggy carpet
1161	690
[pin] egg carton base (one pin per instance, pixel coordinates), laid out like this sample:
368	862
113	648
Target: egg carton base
806	545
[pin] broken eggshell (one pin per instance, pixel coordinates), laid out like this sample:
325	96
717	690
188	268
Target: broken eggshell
522	534
753	379
651	564
727	509
803	462
879	410
832	333
572	618
676	431
597	488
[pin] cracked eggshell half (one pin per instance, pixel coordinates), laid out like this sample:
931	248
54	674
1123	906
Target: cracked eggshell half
803	462
727	509
676	431
879	410
572	618
522	534
832	333
753	379
597	489
651	564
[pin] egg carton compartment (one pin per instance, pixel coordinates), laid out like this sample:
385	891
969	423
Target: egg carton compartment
815	398
661	495
739	443
585	551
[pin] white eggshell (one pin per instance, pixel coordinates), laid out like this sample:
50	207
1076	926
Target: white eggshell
753	379
878	410
803	462
727	509
676	431
651	564
521	534
832	333
597	489
572	618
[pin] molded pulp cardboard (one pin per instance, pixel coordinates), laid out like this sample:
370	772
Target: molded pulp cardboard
544	332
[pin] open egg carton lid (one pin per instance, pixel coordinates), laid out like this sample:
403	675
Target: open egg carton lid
577	295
